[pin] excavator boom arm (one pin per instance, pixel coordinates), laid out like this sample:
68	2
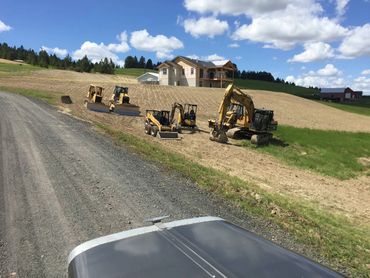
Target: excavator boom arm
236	95
175	106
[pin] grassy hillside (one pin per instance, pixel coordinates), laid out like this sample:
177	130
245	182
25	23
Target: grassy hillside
275	87
132	72
361	106
6	68
317	150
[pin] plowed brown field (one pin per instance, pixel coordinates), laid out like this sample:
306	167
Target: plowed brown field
351	197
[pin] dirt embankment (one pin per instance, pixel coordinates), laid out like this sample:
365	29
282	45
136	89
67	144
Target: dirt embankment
351	198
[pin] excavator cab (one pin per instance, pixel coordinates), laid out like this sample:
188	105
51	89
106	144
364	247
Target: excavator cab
190	115
95	94
120	103
120	95
94	99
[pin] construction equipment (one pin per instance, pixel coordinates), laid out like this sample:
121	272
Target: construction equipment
120	103
187	116
238	119
157	122
94	99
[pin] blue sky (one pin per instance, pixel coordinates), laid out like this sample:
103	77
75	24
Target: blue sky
324	43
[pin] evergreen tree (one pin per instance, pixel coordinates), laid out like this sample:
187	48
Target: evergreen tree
43	59
149	64
129	62
141	62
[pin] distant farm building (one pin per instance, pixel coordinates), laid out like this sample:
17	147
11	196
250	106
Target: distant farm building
339	94
148	78
183	71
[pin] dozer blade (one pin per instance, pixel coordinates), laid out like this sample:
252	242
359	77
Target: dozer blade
66	99
168	135
97	107
126	109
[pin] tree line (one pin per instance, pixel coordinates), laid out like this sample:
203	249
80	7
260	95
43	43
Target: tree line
44	59
134	62
259	75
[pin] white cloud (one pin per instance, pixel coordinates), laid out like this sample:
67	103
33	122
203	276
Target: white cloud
193	56
299	23
357	43
60	52
329	76
4	27
366	72
314	52
362	83
96	52
238	57
233	45
341	6
205	26
329	70
213	57
162	45
235	7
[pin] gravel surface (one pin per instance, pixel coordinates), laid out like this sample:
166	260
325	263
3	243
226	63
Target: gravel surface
61	184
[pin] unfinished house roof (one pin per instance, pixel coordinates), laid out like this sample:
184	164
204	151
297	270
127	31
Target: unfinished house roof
203	64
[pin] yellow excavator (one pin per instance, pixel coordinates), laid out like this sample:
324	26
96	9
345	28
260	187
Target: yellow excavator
238	119
120	103
157	123
187	116
94	99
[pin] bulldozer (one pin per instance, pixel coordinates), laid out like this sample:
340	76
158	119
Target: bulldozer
157	123
120	103
94	99
186	118
239	119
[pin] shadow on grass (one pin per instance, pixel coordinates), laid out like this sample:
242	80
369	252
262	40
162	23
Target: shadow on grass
279	143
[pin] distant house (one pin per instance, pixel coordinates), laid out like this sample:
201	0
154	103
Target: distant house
339	94
149	78
183	71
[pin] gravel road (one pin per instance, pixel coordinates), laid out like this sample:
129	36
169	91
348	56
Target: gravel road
61	184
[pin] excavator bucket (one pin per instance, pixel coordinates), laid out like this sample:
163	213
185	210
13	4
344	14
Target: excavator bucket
168	135
126	109
97	107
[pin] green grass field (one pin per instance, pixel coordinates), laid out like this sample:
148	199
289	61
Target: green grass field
331	153
6	68
132	72
361	106
275	87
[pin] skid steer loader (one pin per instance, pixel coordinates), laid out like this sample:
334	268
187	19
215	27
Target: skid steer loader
94	99
157	123
120	103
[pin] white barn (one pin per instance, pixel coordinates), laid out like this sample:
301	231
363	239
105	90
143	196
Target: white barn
148	78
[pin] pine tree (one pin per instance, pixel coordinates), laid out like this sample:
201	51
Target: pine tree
149	64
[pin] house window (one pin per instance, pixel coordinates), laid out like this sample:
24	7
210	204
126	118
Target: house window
164	71
183	71
192	71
